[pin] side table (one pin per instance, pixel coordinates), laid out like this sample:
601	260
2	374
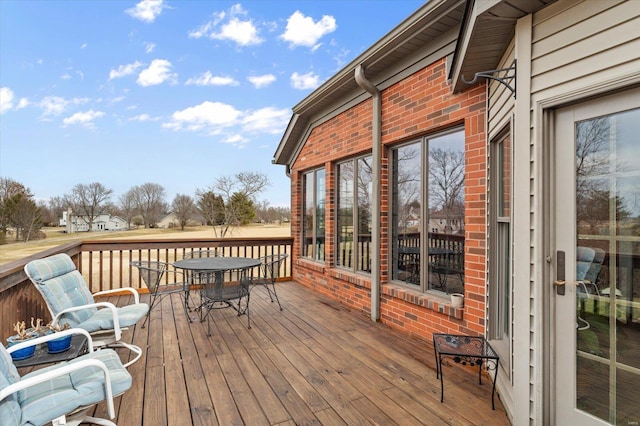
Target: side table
465	350
42	356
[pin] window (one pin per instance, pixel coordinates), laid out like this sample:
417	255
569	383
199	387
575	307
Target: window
427	223
353	242
500	244
313	226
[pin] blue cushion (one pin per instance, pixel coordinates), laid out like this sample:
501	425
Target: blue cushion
103	319
62	395
10	413
62	286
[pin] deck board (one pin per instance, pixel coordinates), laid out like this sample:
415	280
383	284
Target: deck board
315	362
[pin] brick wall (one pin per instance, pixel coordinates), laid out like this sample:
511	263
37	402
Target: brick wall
419	105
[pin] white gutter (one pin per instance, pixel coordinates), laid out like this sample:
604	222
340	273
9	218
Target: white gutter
376	130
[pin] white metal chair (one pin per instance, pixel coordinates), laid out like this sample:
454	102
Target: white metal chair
62	393
68	298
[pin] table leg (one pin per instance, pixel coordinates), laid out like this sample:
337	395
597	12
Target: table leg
493	391
441	379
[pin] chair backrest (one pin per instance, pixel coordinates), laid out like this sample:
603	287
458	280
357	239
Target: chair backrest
62	286
584	257
202	253
151	272
271	264
10	411
596	265
221	287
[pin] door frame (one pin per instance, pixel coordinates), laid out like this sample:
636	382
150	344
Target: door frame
550	326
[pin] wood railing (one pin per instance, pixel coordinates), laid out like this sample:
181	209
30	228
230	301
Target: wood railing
106	265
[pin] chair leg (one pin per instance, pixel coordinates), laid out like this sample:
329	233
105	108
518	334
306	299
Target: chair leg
273	285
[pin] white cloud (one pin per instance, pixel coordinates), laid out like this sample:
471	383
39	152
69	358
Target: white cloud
148	46
242	32
55	105
85	119
209	116
23	103
260	81
83	45
215	118
304	81
143	117
124	70
268	120
302	31
65	76
6	99
207	79
236	140
158	72
147	10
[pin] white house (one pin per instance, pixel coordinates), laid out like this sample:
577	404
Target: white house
101	222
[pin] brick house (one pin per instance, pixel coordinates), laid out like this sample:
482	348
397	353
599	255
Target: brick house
400	138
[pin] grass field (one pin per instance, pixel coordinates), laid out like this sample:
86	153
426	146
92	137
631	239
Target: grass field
17	250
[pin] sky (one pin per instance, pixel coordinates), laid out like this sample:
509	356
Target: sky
177	93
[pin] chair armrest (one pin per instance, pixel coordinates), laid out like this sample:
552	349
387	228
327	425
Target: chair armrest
136	295
52	336
61	371
107	305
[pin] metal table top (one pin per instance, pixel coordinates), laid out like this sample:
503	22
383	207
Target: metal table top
216	263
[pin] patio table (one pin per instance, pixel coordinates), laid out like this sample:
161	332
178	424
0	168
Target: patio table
465	350
201	267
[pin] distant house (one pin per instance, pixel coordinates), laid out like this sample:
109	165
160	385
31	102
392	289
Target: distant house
171	221
101	222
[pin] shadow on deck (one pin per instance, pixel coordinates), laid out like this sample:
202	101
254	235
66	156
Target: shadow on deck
316	362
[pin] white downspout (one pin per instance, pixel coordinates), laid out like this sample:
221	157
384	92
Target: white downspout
376	130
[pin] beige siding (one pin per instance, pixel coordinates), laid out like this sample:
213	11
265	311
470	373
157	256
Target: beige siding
579	43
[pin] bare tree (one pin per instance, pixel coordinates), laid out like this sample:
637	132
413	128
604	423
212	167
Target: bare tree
446	181
239	194
183	208
150	202
127	206
89	200
57	205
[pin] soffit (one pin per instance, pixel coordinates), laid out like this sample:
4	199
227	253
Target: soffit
416	33
486	33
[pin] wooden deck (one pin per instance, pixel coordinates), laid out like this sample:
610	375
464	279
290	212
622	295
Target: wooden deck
316	362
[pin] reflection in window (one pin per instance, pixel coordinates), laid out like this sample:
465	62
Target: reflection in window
437	164
608	304
500	253
354	207
313	226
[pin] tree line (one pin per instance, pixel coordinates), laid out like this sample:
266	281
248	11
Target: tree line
231	201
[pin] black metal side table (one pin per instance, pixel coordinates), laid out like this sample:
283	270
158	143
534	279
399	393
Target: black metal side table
465	350
42	356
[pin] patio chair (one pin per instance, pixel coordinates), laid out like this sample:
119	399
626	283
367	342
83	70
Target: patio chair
202	253
69	299
228	289
151	273
270	266
62	393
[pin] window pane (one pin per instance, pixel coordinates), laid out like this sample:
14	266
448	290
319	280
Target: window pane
365	192
307	225
320	219
406	213
344	256
446	213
